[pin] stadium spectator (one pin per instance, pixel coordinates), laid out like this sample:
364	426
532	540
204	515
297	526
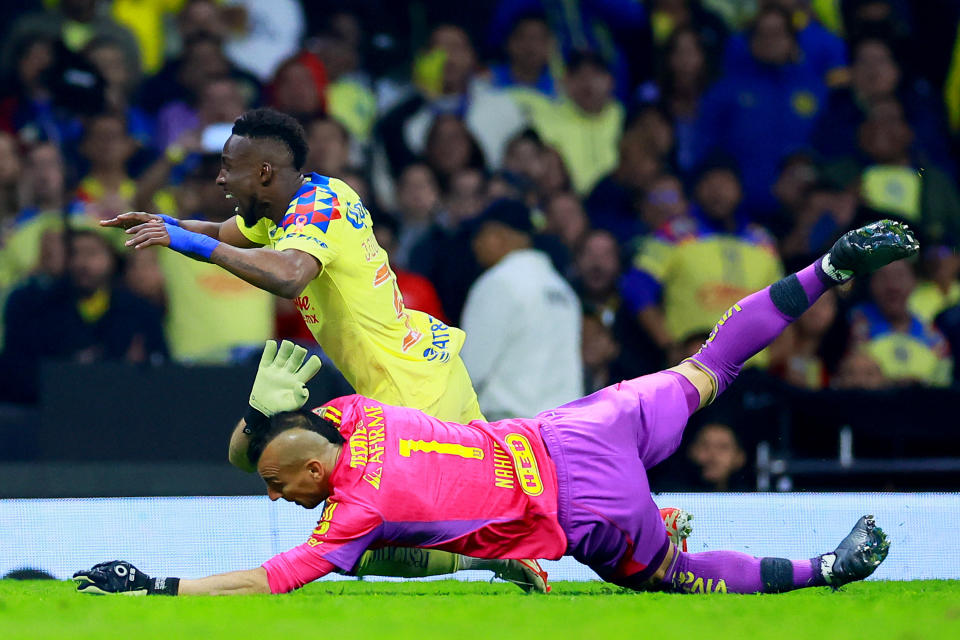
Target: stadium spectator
670	16
74	22
85	316
175	90
350	98
763	111
821	50
42	195
939	289
524	155
463	199
618	30
122	80
876	76
600	351
597	269
518	368
719	459
908	350
859	370
892	179
418	197
450	148
446	80
683	78
566	220
262	34
528	74
299	87
662	202
554	177
107	189
418	292
694	267
585	126
611	204
329	142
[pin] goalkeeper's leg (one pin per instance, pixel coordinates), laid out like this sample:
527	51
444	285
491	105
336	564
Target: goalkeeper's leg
411	562
754	322
855	558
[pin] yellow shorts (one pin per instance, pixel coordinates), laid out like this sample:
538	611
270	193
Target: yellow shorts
459	401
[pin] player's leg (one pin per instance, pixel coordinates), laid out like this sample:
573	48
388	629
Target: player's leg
857	557
754	322
411	562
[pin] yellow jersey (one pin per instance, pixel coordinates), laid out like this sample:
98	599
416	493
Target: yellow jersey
355	311
211	312
702	273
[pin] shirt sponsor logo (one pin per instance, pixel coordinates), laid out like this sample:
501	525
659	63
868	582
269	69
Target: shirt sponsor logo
690	583
357	214
525	464
440	339
503	475
366	445
304	236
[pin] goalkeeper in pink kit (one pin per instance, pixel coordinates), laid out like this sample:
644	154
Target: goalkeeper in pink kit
571	481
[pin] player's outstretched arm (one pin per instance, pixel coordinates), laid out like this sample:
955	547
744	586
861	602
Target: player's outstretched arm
124	578
227	231
283	273
280	385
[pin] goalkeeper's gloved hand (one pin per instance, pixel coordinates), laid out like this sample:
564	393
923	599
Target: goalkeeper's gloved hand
119	576
279	385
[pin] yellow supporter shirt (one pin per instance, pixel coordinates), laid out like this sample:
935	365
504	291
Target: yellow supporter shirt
588	143
211	311
703	274
927	301
355	311
919	354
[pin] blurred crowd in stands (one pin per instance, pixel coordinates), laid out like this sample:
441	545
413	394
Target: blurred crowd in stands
652	161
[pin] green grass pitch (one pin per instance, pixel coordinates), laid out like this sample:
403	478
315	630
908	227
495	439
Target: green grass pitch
459	610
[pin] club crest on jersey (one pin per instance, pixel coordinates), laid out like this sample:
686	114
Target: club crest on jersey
315	208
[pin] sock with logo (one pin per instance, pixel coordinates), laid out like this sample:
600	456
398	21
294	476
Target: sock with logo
735	572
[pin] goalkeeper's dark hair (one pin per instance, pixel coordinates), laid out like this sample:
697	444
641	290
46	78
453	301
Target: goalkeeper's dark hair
285	421
270	123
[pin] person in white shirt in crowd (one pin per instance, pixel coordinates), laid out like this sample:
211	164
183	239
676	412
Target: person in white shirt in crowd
522	320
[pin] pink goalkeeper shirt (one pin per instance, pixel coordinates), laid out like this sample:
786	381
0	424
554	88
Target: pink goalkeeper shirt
487	490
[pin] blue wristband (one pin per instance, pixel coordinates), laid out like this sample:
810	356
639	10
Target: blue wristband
169	220
184	241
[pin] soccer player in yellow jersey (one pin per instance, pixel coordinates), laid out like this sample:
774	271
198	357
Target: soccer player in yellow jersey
309	238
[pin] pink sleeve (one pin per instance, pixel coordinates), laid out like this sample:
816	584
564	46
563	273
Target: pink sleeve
344	532
292	569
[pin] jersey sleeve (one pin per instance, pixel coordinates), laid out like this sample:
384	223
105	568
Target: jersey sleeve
318	220
257	233
344	532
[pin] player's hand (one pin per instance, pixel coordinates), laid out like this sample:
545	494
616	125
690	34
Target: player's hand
130	219
279	385
113	577
150	233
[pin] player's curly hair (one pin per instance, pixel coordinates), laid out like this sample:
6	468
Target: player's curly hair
285	421
270	123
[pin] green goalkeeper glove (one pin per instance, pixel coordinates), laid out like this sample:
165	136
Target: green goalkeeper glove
279	385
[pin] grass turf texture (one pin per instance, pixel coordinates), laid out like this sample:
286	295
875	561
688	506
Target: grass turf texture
462	610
